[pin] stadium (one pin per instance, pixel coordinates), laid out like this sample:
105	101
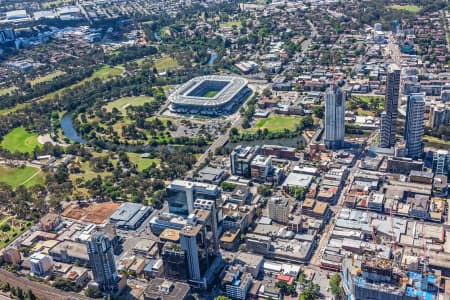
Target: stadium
209	95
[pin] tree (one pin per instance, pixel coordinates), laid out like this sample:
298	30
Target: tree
298	192
318	111
227	186
285	288
264	190
311	292
222	298
301	278
93	293
65	285
335	285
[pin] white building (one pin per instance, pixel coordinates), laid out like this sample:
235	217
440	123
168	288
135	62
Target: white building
278	210
40	264
414	125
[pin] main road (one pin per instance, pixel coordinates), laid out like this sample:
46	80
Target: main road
222	140
315	260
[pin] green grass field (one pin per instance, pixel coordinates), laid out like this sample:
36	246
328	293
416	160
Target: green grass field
10	229
165	64
368	98
375	104
210	94
276	123
142	163
434	142
409	8
27	176
4	91
122	103
48	77
230	24
20	140
103	74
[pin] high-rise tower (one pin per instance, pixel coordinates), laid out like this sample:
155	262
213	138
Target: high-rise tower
389	116
101	257
334	117
414	125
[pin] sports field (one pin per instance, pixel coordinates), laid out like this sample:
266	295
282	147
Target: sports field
122	103
277	123
20	140
210	94
27	176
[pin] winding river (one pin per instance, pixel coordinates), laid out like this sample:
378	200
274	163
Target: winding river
69	131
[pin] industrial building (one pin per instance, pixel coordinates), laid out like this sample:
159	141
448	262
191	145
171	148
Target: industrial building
130	215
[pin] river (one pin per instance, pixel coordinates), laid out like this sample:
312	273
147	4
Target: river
69	131
212	58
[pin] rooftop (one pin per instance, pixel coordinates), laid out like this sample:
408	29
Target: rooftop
170	235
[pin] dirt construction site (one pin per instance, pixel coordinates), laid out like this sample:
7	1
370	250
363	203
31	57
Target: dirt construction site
97	213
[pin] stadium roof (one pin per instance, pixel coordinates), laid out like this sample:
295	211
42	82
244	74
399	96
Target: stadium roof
181	94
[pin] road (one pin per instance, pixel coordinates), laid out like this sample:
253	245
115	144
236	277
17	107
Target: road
38	289
315	260
218	143
307	43
223	138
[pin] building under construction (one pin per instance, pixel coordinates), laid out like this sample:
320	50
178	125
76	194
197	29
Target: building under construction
370	277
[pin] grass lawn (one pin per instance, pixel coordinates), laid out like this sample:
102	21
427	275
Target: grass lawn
276	123
103	74
87	173
47	77
230	24
210	94
368	98
434	142
106	72
166	63
27	176
10	229
409	8
122	103
165	32
142	163
373	104
20	140
4	91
